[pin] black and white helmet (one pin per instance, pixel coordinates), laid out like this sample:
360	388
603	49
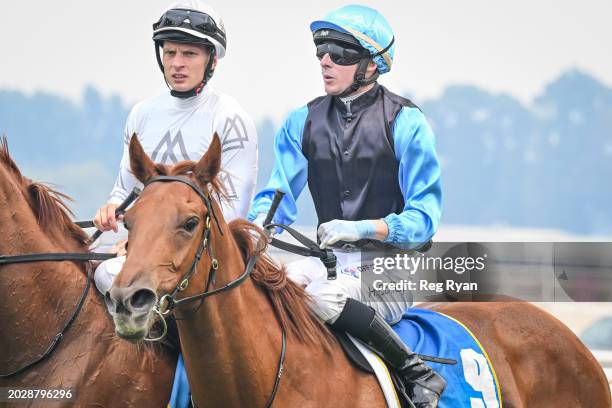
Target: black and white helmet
191	22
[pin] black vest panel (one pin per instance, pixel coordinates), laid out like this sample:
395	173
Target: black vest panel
352	168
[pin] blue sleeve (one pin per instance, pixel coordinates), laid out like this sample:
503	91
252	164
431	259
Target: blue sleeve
290	171
419	179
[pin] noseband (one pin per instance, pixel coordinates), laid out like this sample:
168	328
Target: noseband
168	302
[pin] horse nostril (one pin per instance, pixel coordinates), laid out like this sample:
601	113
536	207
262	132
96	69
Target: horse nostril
143	298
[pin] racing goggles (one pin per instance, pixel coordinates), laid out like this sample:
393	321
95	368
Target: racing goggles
340	54
195	20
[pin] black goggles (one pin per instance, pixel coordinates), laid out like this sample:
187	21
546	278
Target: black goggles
196	20
341	55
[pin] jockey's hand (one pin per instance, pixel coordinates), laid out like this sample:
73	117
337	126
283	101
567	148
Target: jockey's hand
337	230
105	219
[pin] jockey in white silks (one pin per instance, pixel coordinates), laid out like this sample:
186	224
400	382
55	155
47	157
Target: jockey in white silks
368	156
180	124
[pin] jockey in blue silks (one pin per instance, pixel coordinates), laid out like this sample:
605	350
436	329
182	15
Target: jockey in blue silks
368	156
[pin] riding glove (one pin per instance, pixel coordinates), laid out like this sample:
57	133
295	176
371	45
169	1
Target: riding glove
338	230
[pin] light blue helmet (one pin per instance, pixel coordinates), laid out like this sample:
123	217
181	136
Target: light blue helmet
368	26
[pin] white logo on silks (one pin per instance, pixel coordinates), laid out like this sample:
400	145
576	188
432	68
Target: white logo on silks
167	154
226	179
234	134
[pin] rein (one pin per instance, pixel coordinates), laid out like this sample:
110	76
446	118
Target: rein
54	256
58	337
310	249
65	256
168	301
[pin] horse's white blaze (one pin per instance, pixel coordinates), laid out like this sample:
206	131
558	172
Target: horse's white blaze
477	374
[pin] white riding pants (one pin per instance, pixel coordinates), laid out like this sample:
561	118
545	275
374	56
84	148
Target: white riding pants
329	296
105	273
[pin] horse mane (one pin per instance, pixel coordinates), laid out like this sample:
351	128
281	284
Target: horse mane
289	300
48	204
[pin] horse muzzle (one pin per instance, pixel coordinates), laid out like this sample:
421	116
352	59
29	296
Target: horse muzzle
132	311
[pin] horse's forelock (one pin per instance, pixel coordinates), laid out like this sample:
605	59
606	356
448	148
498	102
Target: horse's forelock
186	168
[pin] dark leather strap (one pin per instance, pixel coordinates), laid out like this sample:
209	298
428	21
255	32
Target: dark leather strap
58	337
66	256
54	256
194	187
310	248
85	224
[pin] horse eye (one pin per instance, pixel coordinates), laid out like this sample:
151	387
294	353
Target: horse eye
190	224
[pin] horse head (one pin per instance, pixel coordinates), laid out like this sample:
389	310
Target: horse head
167	226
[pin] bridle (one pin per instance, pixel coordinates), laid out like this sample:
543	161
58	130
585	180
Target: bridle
168	302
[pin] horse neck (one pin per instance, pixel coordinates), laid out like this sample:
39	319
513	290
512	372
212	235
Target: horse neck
232	346
36	296
233	342
37	300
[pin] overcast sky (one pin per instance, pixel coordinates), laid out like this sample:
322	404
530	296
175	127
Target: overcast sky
515	47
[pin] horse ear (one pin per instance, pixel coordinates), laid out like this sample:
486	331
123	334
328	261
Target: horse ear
209	165
142	166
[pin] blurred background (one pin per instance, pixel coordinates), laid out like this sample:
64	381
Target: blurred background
519	95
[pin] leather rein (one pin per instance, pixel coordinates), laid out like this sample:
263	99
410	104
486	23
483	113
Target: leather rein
65	256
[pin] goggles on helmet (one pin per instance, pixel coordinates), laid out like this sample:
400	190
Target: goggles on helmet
341	54
195	20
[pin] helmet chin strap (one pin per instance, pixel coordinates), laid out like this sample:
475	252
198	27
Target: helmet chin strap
359	78
208	73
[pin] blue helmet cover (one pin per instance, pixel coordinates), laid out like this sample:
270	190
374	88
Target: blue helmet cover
367	25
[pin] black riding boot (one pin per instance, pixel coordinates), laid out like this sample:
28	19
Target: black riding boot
423	385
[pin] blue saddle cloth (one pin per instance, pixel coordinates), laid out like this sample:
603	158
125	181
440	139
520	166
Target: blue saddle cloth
181	394
472	382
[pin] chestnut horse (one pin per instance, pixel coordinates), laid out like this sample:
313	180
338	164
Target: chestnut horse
38	298
232	341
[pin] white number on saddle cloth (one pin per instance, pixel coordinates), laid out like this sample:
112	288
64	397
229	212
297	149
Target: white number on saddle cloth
477	373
